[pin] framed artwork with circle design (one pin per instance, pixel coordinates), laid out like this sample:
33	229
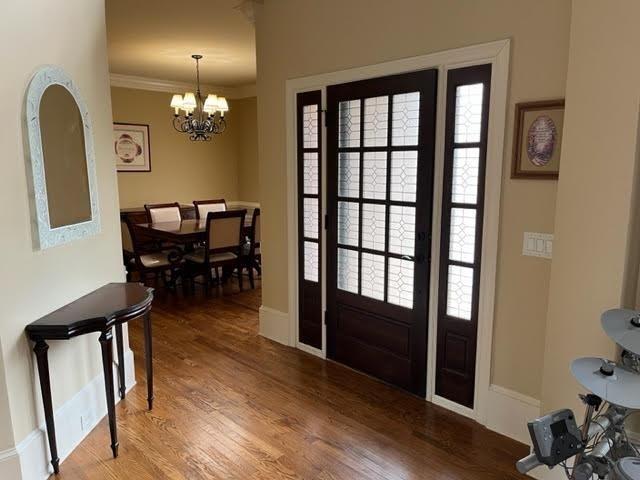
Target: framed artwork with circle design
131	147
537	139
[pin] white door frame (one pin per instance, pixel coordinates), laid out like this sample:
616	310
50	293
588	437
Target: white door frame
494	53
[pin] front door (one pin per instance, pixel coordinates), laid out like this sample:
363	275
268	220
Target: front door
380	157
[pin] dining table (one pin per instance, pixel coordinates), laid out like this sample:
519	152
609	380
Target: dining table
184	232
187	233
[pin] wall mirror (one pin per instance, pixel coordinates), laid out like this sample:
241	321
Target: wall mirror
62	160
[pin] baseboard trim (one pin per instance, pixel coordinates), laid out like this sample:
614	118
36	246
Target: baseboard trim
508	412
544	473
274	325
453	406
309	349
30	459
9	464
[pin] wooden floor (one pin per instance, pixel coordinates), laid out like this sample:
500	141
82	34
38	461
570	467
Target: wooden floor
230	404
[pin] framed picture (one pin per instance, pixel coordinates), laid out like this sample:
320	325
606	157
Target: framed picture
537	139
131	147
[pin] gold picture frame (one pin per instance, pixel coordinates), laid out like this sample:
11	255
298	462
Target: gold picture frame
538	139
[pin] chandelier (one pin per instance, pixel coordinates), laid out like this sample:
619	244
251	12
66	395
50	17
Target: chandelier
200	119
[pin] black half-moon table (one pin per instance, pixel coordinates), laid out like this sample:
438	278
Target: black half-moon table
99	311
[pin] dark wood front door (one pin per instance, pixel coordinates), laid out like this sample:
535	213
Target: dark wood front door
380	156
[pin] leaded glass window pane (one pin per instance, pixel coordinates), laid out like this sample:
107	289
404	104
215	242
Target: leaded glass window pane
374	175
310	217
468	115
310	173
349	124
406	119
376	112
373	226
464	185
404	175
348	270
349	174
310	126
348	226
459	291
402	230
462	238
311	261
400	282
372	276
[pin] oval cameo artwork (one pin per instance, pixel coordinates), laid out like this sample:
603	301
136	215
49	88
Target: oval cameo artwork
541	140
127	149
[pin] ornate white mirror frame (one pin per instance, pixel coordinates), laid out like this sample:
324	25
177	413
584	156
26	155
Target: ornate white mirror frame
46	236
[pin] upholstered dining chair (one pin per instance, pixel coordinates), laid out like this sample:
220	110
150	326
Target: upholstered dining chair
251	259
222	248
163	212
205	206
147	262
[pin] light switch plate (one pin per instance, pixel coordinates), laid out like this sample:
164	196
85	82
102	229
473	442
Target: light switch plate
537	244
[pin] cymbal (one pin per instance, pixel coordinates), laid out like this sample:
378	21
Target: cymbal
628	468
623	327
621	387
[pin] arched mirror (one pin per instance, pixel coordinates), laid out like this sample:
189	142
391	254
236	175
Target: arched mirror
65	203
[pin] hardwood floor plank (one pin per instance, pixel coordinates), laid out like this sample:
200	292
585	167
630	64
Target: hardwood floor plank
230	404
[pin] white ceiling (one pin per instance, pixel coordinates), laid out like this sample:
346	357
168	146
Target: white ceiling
155	39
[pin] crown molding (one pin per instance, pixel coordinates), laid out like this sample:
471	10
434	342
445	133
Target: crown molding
248	9
157	85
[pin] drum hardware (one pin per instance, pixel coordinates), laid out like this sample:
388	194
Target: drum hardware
602	448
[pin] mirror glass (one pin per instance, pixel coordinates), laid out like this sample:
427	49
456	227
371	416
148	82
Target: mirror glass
64	158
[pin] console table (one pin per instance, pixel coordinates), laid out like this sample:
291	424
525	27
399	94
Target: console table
108	306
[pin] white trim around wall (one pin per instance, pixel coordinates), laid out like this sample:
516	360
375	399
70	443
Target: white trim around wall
274	325
242	203
74	420
495	53
158	85
509	412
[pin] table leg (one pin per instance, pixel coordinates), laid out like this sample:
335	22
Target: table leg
148	348
120	346
42	360
106	343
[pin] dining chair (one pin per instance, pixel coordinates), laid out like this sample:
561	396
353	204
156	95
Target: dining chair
148	262
252	256
163	212
222	247
205	206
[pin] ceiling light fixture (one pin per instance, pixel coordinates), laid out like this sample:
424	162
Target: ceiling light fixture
200	119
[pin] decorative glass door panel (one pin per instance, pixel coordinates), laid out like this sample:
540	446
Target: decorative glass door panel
309	223
467	116
380	147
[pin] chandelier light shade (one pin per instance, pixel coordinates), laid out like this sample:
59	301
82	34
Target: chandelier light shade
200	119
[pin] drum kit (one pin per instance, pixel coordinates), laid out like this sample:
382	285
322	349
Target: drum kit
600	447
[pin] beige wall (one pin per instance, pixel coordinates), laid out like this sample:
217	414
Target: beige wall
182	170
37	282
293	41
591	269
247	115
